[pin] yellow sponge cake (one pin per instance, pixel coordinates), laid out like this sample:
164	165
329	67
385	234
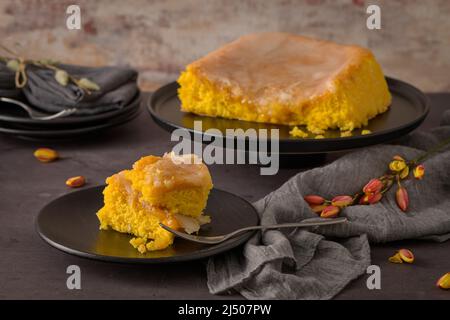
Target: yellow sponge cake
172	190
287	79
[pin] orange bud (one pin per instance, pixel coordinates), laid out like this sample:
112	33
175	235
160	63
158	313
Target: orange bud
76	182
374	198
397	157
406	255
401	196
46	154
330	212
405	173
313	199
396	258
371	198
318	208
419	171
444	281
402	255
342	201
373	186
397	165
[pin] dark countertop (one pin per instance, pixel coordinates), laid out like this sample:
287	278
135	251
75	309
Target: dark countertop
31	269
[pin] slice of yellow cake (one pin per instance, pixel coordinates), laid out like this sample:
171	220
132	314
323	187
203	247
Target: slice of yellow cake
172	190
287	79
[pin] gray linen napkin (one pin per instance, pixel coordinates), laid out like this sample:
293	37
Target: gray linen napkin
7	82
117	88
307	265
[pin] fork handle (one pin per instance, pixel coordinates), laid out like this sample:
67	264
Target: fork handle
17	103
311	223
37	115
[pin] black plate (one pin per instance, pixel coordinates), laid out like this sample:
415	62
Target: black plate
14	114
70	224
409	108
66	133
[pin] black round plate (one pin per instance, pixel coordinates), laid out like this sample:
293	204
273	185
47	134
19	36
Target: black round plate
409	108
15	115
58	133
70	224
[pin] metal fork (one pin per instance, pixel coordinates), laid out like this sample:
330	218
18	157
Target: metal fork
222	238
36	115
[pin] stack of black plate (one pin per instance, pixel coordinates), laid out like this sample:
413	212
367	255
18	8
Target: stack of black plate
16	122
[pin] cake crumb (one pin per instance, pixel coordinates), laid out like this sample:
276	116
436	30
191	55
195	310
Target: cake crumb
366	131
142	248
139	244
298	133
346	134
319	136
316	130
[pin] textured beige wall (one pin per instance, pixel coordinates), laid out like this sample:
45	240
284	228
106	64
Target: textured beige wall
160	37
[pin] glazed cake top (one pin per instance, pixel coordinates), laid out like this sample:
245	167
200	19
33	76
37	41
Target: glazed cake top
264	67
172	172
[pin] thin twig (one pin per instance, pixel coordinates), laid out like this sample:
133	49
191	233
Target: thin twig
432	151
21	76
8	50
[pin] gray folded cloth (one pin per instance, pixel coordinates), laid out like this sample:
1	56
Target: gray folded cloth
7	82
316	265
117	88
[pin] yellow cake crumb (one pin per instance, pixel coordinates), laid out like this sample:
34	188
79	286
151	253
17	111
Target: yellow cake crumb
319	136
316	130
346	134
366	131
298	133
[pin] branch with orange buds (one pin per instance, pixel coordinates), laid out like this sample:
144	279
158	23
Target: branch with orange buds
399	169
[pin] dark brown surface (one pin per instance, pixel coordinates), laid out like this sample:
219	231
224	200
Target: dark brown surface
29	268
